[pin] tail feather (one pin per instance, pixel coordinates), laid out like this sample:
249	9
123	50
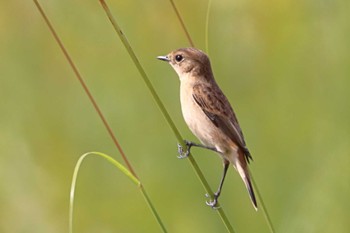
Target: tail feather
242	168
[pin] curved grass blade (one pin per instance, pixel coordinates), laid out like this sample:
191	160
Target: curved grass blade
124	170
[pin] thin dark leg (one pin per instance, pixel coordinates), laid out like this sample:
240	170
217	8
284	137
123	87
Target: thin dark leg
201	146
217	194
189	144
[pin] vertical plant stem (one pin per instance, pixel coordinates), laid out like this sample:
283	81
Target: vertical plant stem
163	109
207	28
263	208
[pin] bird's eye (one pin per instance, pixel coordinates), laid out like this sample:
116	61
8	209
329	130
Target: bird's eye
178	58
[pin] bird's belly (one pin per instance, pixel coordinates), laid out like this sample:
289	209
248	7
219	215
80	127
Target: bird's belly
202	127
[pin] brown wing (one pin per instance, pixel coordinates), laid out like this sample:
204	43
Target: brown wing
217	108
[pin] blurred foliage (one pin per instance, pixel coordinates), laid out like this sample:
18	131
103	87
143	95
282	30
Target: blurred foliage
283	64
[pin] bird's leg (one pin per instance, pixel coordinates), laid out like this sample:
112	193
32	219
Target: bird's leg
184	154
213	203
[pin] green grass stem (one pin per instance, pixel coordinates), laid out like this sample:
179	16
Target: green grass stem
263	207
262	204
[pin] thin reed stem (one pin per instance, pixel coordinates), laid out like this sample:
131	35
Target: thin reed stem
85	87
182	23
151	206
160	104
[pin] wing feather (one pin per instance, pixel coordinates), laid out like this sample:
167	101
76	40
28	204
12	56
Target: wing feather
217	108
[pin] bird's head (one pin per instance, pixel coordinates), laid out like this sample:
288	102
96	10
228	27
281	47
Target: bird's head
189	61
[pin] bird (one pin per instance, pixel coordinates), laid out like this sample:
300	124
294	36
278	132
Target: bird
209	116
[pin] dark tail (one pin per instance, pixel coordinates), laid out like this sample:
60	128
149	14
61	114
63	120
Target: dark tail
242	168
250	189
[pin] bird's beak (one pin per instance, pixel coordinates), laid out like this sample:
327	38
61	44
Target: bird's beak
163	58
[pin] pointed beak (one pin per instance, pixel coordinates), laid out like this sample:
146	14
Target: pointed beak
163	58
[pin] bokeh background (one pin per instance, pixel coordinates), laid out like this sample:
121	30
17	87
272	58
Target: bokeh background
284	65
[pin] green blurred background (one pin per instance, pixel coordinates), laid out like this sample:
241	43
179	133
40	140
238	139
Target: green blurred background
284	65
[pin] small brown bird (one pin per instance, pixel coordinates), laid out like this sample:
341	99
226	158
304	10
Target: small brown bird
209	115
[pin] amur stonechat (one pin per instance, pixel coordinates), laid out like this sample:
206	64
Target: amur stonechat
209	115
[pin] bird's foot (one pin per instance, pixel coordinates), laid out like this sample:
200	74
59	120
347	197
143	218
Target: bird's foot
213	203
184	154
